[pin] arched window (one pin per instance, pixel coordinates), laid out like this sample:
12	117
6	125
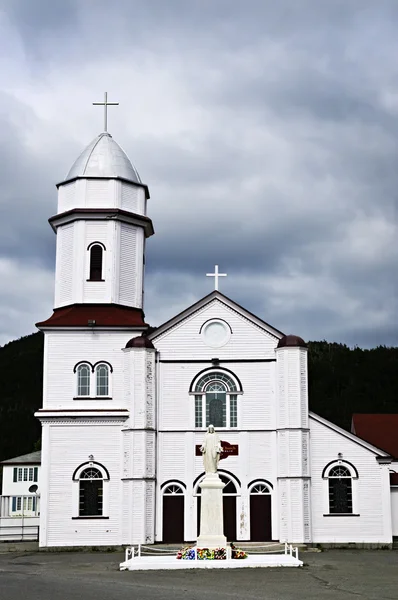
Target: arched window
260	488
173	489
93	381
216	400
102	380
341	477
91	491
83	380
96	254
340	490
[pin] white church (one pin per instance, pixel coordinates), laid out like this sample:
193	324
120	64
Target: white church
126	406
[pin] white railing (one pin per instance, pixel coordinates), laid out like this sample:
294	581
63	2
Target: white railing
19	506
137	551
19	517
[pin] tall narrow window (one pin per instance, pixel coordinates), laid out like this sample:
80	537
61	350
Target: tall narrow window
216	405
340	490
102	373
83	380
96	253
90	493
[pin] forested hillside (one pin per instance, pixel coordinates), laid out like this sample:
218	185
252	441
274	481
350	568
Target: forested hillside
341	381
21	381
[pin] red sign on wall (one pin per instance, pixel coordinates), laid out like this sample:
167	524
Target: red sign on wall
227	450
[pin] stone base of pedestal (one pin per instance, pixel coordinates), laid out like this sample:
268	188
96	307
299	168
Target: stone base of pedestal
211	541
211	513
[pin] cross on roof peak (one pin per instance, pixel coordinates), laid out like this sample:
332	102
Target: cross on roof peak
216	275
105	104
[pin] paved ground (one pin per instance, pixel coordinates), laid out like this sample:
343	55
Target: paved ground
335	574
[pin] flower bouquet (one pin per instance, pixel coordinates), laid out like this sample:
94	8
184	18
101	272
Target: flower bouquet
237	552
188	553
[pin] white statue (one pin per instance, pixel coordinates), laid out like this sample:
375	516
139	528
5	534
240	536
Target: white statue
211	450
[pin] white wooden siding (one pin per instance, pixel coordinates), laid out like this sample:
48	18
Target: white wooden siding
370	526
132	198
64	265
256	406
69	447
67	197
292	387
131	265
247	339
99	193
20	488
65	349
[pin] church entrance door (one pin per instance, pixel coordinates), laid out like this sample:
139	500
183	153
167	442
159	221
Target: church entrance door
260	513
173	514
230	518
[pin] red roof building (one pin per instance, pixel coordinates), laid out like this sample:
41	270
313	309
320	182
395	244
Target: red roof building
379	430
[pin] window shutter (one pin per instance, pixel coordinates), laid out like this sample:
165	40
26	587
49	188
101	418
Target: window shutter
14	504
35	474
15	478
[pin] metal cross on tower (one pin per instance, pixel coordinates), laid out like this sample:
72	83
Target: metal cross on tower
105	104
216	275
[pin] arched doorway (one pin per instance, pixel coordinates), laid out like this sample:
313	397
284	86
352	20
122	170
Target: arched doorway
260	512
229	507
173	513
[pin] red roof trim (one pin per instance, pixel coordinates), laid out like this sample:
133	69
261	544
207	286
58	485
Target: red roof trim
104	315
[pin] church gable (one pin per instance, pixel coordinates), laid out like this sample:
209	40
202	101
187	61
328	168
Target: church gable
216	327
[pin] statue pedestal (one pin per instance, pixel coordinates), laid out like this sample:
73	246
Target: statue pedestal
211	513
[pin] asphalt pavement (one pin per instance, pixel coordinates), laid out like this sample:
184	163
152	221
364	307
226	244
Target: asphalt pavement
334	574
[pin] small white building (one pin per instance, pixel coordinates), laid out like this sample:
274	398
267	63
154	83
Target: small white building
21	483
20	498
125	407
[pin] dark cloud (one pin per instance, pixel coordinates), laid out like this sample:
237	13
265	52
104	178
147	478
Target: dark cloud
267	133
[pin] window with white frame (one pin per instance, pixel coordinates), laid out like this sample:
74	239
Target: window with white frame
24	504
341	479
93	381
25	474
216	400
90	491
173	490
96	251
102	379
83	380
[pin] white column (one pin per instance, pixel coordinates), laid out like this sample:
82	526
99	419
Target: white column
211	513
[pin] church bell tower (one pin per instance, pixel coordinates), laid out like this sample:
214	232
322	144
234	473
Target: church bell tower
101	226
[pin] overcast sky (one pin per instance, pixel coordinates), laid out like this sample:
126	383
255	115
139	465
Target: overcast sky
266	131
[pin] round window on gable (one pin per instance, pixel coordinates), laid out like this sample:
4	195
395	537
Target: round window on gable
216	333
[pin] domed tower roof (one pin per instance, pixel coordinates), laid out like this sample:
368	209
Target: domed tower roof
291	341
140	342
104	158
